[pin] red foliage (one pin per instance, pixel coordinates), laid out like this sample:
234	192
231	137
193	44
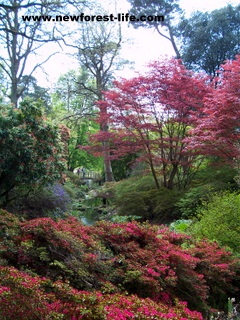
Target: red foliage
150	115
217	131
39	298
163	265
118	259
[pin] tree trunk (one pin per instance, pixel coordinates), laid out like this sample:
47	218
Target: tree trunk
172	176
14	63
108	173
106	158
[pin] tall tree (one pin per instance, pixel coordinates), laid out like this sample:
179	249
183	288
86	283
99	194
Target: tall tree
20	39
99	47
77	100
75	106
168	8
34	91
150	115
208	39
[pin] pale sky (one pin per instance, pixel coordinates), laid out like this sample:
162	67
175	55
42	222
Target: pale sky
148	45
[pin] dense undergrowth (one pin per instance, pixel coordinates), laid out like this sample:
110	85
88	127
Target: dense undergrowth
64	270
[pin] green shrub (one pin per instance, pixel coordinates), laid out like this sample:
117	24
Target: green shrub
180	225
138	196
31	148
74	178
213	176
141	183
192	198
9	231
219	219
71	190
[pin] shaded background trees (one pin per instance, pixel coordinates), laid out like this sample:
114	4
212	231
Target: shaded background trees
169	9
74	105
208	39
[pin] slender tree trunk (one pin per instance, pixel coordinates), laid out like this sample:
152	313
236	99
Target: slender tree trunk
172	176
106	158
107	165
170	38
155	176
14	63
108	173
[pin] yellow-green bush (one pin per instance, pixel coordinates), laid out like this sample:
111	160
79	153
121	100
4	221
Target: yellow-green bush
219	219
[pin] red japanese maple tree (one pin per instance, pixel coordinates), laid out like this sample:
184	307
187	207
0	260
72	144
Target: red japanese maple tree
218	130
151	115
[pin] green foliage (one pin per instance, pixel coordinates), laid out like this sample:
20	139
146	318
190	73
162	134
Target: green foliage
122	168
208	39
9	230
217	173
138	196
180	225
211	177
32	90
219	220
120	219
31	150
192	198
73	178
77	156
74	105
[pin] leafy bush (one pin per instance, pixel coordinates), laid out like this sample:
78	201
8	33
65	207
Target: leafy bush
74	178
52	200
219	219
180	225
119	219
213	176
31	148
38	298
138	196
120	258
192	198
9	231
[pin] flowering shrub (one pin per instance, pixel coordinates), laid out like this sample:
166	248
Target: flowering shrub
51	200
118	260
60	199
31	149
64	248
163	265
39	298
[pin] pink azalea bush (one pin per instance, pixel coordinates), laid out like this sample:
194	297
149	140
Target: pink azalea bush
25	297
115	263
